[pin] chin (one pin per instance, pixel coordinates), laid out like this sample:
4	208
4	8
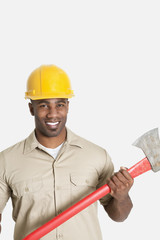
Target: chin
53	133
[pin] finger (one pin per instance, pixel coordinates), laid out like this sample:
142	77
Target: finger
117	186
126	173
120	179
123	168
128	179
112	186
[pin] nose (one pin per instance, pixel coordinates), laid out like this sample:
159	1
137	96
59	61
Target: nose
52	112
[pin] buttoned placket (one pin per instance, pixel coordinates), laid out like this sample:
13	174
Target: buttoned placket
59	233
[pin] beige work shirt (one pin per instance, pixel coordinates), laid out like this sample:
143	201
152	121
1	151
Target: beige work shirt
41	187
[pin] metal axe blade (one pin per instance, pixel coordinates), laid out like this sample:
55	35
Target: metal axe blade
150	145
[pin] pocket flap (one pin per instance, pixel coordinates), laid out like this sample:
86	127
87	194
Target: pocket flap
87	179
29	186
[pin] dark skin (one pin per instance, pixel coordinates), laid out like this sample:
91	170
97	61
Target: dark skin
50	119
54	110
120	205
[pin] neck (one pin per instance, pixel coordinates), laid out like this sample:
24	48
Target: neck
51	142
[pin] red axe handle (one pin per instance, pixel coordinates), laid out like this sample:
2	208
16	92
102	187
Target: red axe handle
139	168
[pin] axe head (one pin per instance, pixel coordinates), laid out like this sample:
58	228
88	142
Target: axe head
150	145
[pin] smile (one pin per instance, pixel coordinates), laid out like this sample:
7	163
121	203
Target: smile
52	123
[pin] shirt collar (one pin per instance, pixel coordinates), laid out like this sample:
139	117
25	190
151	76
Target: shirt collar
73	139
31	142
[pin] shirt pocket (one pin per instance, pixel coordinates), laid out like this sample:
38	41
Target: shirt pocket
20	189
25	196
82	185
83	180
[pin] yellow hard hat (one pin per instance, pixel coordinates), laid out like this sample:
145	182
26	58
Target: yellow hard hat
48	81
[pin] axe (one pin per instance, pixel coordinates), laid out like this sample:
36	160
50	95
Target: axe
149	143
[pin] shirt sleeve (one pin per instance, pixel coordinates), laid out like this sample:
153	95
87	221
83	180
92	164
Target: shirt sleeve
4	188
106	173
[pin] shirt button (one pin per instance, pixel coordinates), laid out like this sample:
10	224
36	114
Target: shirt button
60	236
26	189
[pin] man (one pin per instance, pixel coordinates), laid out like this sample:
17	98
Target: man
54	168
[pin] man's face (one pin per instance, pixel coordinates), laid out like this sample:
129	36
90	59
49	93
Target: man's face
50	115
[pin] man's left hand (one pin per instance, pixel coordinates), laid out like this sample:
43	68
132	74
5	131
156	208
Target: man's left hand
120	184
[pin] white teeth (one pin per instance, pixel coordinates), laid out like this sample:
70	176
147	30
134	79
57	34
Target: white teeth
52	123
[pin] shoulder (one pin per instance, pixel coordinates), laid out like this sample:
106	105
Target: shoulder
6	157
91	153
20	147
88	147
74	139
14	150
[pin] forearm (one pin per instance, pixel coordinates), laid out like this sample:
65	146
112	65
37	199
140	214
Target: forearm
119	210
120	204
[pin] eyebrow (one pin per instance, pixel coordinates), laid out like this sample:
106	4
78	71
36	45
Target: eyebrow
42	101
58	101
61	100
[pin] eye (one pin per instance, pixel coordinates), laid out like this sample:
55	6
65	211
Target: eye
43	105
60	105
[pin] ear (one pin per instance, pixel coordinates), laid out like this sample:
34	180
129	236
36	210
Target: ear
31	108
67	106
